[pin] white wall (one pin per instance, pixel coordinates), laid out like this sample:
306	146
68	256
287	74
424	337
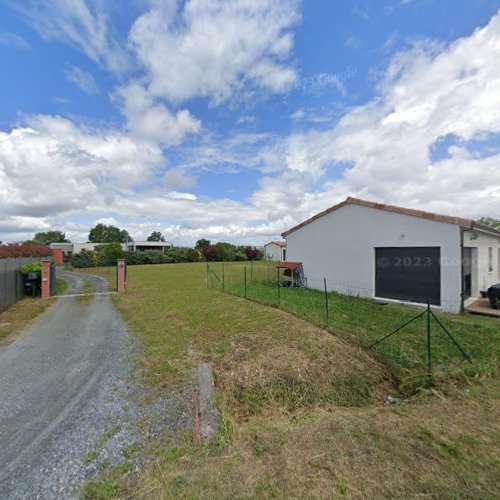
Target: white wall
341	247
482	278
78	247
273	250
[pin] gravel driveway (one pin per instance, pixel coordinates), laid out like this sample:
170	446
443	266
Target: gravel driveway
65	398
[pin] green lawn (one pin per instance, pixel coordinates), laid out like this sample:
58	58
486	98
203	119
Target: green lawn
363	322
302	409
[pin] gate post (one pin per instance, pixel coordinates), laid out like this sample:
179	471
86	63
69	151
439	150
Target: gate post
120	275
46	278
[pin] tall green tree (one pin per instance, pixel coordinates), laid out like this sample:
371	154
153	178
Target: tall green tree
109	253
202	243
48	237
156	236
108	234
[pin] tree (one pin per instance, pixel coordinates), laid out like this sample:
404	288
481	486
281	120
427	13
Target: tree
251	253
489	221
109	253
210	253
108	234
156	236
202	243
48	237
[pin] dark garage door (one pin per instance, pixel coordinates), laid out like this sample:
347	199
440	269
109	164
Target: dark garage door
409	273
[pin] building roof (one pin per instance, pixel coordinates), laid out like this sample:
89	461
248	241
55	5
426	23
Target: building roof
149	243
466	223
279	243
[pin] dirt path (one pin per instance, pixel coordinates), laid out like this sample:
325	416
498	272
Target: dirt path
61	390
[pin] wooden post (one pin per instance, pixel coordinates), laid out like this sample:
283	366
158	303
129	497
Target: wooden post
46	278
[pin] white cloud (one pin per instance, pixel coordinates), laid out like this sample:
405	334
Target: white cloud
82	79
12	40
214	49
381	150
148	118
52	166
82	23
52	169
177	178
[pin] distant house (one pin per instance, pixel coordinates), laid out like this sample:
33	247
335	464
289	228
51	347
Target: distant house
161	246
132	246
397	254
275	250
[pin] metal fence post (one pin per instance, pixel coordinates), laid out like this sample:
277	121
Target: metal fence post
245	282
223	278
279	291
429	361
251	270
326	301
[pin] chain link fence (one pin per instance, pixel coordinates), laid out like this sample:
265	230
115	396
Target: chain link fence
344	308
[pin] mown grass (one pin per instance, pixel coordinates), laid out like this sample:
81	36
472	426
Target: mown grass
302	410
259	353
15	319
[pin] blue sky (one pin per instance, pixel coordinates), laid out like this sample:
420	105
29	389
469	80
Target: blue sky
235	120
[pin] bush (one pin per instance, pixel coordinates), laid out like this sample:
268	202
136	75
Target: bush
19	251
109	253
240	256
171	256
33	267
84	258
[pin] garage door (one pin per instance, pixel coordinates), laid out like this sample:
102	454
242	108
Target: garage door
412	274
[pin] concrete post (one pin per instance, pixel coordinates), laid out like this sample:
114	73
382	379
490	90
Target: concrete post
120	276
46	279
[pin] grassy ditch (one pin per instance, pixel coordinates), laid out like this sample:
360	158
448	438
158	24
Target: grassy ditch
362	322
302	410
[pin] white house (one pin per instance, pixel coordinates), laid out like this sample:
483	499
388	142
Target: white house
397	254
275	250
70	248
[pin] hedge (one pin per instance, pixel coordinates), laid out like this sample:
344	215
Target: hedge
23	251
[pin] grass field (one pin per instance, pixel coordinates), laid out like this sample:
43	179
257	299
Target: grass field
302	409
363	322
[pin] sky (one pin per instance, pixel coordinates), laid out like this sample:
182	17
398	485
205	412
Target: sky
235	120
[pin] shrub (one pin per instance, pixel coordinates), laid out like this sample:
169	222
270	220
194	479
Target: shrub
210	253
19	251
84	258
109	253
33	267
240	256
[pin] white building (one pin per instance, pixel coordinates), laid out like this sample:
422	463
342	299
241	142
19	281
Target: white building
70	248
275	250
397	254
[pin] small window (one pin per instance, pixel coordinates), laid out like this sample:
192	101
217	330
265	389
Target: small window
490	260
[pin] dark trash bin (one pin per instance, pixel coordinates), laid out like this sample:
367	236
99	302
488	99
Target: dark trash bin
32	283
494	296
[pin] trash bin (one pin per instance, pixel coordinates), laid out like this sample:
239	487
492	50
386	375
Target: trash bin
32	283
494	296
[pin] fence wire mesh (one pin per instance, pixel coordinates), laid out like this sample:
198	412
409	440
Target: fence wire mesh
341	307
